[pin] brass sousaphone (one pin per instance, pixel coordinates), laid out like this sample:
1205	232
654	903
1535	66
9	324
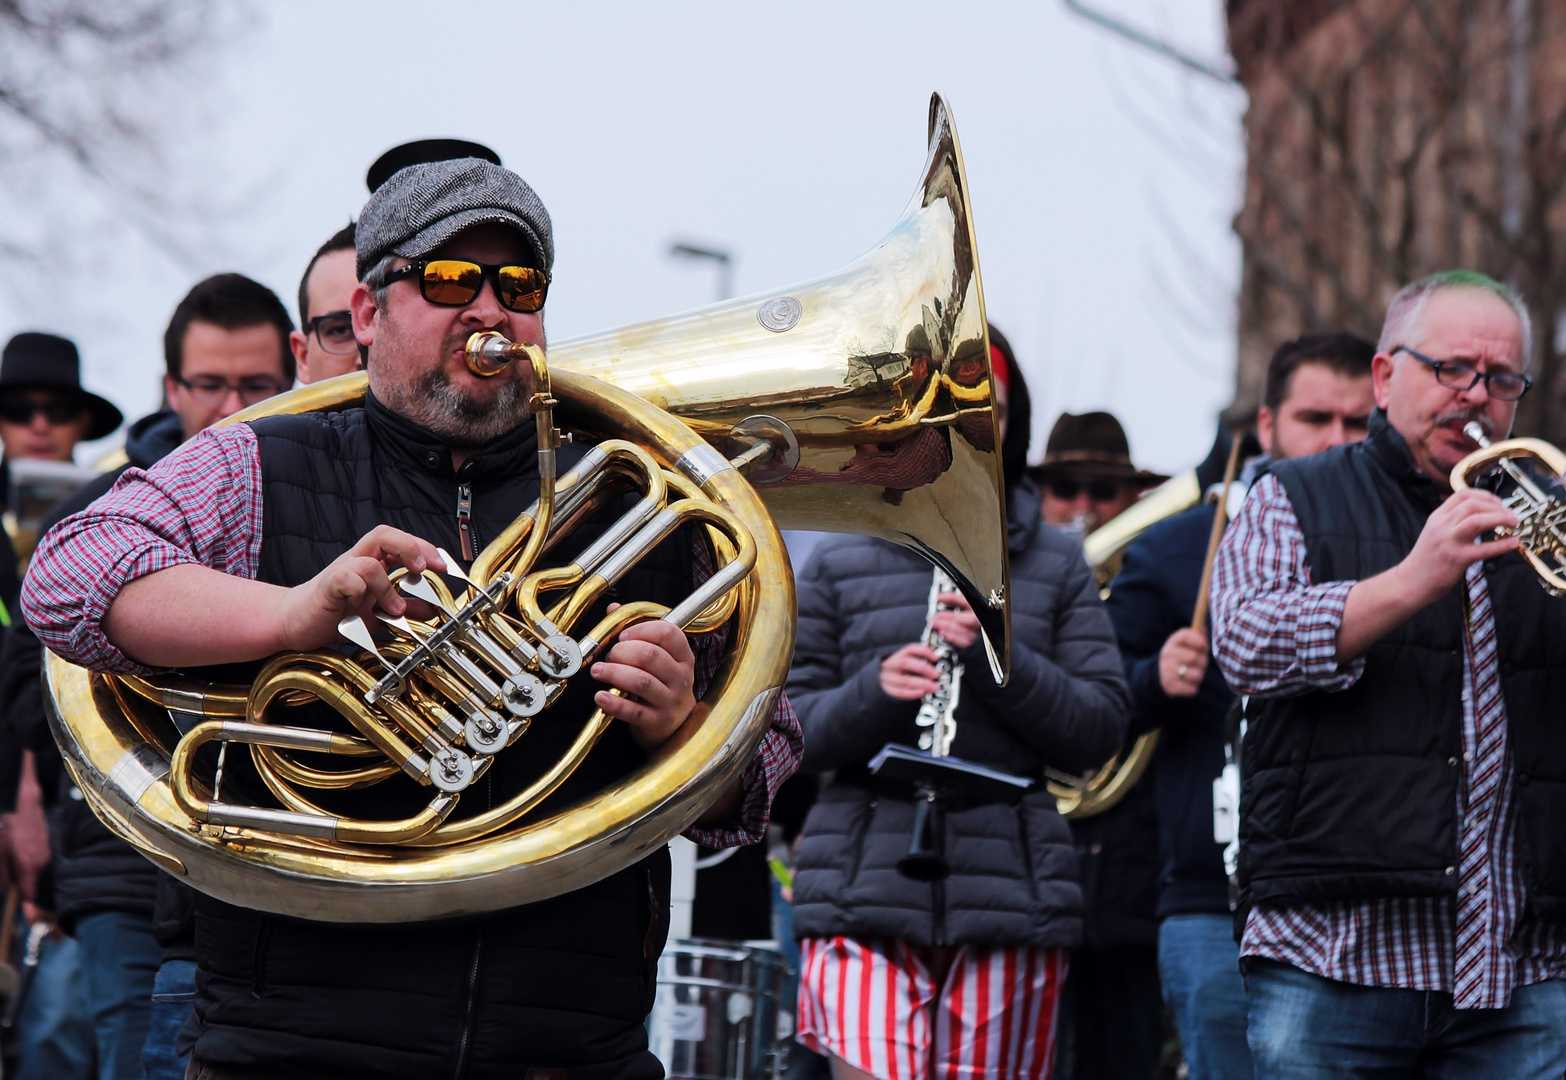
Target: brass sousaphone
859	402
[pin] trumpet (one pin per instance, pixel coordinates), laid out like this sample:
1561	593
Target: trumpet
1541	517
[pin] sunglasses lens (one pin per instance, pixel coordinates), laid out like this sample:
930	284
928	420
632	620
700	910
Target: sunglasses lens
1103	490
19	410
452	281
1065	489
523	288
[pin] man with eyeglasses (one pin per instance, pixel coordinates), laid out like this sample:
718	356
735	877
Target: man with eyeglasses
225	347
324	345
1317	395
1402	865
262	537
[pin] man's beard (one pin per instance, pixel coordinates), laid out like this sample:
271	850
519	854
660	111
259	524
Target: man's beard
436	402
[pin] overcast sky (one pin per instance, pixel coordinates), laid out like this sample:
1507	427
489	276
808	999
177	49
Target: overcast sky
1103	177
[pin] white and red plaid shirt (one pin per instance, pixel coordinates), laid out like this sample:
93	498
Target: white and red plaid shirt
1275	635
202	504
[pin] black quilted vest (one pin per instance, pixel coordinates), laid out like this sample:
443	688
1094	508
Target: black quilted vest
564	983
1354	795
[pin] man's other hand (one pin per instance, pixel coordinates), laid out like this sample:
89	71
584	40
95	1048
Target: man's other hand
356	583
654	669
1182	662
909	673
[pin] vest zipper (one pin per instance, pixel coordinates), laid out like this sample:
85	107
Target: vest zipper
470	1002
465	521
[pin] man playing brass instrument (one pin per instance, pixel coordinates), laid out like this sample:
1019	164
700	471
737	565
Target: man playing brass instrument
310	515
1402	865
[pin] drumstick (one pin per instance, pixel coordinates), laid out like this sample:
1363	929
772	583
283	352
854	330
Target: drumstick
1220	522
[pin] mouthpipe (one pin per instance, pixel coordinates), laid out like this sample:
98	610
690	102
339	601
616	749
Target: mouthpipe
489	351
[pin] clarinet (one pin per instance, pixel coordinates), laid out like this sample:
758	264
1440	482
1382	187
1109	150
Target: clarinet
938	710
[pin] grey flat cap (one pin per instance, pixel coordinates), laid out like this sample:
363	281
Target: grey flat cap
423	206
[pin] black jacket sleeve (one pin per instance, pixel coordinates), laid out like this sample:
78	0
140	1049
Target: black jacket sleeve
845	715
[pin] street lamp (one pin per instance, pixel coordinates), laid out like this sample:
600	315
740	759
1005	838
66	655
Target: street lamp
723	258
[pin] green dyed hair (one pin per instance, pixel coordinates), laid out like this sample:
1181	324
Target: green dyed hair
1408	307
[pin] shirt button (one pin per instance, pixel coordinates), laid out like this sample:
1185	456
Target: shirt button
1468	756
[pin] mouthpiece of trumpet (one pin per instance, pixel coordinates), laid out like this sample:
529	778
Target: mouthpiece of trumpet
1475	432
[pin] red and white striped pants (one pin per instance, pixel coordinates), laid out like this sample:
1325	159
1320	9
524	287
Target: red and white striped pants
879	1005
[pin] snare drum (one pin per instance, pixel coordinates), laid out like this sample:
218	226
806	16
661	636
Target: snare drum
719	1013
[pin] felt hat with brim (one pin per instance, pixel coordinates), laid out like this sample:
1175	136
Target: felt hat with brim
1094	445
34	361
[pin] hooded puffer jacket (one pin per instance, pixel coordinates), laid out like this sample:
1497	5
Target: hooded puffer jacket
1013	878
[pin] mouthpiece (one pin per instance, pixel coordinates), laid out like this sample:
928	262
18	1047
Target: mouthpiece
1472	429
488	352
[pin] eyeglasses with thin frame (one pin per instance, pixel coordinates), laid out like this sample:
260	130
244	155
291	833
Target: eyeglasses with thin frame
334	331
211	390
1097	490
57	410
455	282
1461	375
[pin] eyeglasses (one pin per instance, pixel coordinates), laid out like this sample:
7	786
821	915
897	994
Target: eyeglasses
334	331
455	282
1461	375
58	411
1097	490
211	391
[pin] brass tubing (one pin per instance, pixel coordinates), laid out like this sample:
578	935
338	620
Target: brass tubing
351	707
212	700
482	824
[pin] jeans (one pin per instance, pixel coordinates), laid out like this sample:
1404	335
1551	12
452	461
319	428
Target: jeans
173	996
56	1040
1302	1025
119	959
1199	964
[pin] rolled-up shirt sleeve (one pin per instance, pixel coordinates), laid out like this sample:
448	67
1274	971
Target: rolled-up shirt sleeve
1274	632
775	760
200	504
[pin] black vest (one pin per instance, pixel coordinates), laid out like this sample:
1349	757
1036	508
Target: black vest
564	983
1354	795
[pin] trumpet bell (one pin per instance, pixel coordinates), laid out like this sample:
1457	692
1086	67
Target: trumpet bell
1527	476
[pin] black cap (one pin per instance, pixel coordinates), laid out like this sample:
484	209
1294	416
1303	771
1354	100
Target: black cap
34	361
422	152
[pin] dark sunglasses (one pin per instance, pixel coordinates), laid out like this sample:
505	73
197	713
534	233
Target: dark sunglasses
21	410
1097	490
1461	375
334	331
455	282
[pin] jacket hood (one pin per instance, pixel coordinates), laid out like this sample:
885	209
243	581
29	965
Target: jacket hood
153	437
1024	515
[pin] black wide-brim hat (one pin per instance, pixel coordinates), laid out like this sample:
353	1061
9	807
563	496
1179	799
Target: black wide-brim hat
34	361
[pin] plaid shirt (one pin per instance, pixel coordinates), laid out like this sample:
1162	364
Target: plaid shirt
202	504
1274	635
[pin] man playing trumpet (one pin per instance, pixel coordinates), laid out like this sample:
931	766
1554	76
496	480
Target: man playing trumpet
1402	864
